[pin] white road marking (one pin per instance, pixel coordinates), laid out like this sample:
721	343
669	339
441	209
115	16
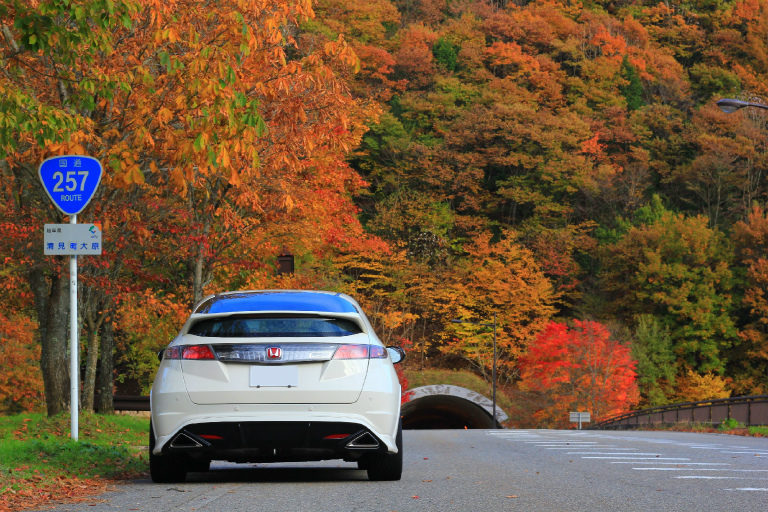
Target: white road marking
611	453
563	443
596	446
702	469
639	458
717	478
617	455
681	463
560	443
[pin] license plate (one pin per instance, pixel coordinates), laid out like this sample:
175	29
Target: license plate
274	376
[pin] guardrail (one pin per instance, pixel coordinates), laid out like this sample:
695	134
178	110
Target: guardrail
127	403
749	410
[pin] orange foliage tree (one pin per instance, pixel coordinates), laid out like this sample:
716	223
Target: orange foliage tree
212	125
579	369
499	278
750	360
21	384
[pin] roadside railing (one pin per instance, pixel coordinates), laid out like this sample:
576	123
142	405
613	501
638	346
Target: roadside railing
127	403
749	410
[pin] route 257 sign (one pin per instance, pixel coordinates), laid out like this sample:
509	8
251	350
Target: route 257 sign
70	181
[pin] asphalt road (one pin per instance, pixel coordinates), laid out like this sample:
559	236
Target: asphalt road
488	470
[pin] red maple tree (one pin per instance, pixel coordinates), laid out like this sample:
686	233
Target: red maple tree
579	369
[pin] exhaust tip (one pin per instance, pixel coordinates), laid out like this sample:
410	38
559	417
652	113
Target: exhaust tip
365	440
185	441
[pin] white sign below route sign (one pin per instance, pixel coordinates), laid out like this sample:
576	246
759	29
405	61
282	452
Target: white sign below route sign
580	417
71	239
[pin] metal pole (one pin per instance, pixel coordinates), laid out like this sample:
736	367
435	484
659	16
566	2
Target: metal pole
74	346
493	372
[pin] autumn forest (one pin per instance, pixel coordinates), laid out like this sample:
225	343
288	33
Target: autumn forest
559	166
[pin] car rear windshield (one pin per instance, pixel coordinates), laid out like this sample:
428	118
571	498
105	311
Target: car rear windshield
262	327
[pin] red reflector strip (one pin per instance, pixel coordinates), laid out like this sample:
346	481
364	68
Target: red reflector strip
197	352
210	436
336	436
351	352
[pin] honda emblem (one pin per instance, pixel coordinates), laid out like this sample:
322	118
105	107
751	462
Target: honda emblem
274	353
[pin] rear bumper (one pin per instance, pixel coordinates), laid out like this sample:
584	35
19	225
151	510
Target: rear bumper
259	441
377	409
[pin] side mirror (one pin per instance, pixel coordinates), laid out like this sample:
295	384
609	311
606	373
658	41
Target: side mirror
397	354
160	355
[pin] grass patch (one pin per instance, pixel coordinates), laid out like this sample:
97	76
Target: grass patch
730	424
39	461
758	431
464	379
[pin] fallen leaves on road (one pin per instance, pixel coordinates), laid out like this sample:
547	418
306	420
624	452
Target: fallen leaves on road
69	489
513	496
415	497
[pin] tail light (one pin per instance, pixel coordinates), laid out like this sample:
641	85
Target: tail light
378	352
351	352
360	352
342	352
189	352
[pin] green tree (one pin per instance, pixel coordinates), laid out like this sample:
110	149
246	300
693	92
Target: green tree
678	269
445	54
656	367
632	90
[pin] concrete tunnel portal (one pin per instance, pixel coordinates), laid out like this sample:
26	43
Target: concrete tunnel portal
443	406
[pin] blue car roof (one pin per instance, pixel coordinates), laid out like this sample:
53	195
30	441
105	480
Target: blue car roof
276	301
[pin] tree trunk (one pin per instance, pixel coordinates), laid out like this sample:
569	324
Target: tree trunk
200	275
52	307
89	380
92	320
107	368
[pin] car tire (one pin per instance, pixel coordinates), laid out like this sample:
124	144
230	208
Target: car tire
165	469
387	466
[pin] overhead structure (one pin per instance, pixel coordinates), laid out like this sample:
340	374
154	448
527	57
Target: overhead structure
443	406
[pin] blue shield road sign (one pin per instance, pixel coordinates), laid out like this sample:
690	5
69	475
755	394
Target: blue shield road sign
70	181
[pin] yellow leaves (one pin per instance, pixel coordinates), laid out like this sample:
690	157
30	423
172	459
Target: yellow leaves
343	52
164	115
178	179
134	175
234	178
693	387
223	158
172	35
288	202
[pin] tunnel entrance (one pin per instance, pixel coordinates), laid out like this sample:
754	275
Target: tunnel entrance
443	411
444	406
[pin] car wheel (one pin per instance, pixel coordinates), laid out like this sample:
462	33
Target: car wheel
165	469
387	466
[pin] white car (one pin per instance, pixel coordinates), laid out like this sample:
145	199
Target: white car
276	376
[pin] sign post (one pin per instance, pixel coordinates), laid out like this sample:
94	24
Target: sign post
70	182
579	417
